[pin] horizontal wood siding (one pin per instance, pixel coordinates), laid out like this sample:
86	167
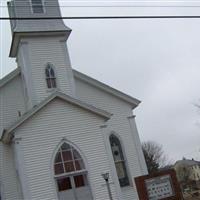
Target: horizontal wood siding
51	8
43	50
119	123
11	101
8	176
129	193
41	135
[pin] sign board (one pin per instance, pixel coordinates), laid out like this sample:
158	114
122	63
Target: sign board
159	186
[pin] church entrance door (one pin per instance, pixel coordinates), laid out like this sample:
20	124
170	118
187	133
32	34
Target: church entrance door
71	174
74	187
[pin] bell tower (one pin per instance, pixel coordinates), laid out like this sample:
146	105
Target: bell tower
39	46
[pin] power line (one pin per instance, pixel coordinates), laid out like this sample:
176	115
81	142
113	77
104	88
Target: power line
114	6
123	3
103	17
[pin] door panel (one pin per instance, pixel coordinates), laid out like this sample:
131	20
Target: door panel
68	194
74	188
65	188
81	187
83	193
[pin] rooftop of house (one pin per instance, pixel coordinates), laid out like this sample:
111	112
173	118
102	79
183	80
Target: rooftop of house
187	162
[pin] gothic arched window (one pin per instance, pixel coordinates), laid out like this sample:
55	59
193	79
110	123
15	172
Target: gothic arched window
71	174
50	76
119	160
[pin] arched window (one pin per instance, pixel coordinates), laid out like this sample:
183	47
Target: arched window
119	160
71	174
50	76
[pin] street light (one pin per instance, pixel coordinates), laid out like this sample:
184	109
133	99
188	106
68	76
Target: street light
106	178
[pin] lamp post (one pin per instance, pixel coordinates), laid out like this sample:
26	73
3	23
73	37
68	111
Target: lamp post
106	178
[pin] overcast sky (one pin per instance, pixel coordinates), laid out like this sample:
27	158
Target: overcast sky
154	60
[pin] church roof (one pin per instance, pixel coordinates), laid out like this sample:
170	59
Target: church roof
91	81
135	102
6	135
9	77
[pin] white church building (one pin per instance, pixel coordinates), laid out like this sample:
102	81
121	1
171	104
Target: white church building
61	130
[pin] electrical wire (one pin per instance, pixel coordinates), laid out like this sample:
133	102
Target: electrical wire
115	6
104	17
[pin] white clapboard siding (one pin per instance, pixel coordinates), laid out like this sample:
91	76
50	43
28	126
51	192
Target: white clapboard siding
41	135
128	193
11	189
23	9
34	55
11	102
119	123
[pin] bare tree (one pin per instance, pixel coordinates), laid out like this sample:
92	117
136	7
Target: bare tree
154	156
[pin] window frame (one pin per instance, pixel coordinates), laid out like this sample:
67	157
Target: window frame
126	182
72	175
52	79
35	4
73	160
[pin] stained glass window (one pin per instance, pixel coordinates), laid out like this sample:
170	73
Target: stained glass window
119	160
70	172
67	160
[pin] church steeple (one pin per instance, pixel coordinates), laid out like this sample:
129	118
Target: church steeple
39	44
35	9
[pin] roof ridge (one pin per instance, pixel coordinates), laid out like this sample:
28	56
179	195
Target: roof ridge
9	77
135	102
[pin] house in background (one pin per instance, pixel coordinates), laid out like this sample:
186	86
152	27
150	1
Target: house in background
60	129
188	173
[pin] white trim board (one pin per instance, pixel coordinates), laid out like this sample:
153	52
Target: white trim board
6	135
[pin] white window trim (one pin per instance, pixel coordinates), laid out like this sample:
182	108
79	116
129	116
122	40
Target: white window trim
83	172
44	10
52	89
125	161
